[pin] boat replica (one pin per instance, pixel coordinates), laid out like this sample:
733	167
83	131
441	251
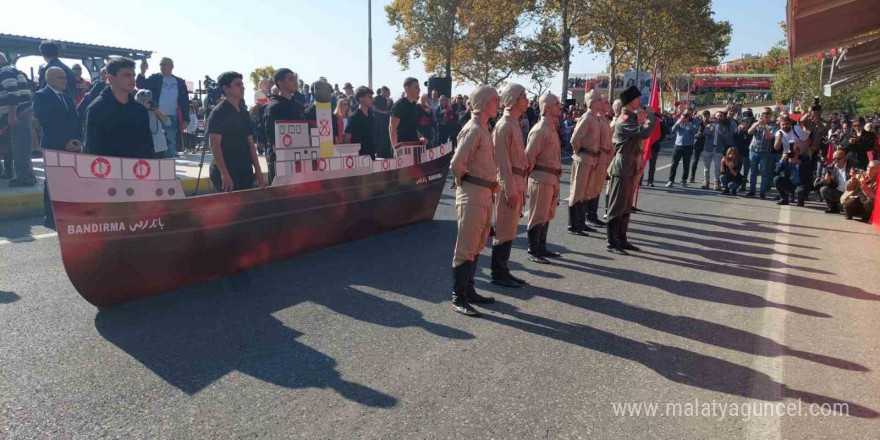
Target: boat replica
128	231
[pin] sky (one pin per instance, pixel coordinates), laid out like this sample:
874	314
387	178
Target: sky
313	38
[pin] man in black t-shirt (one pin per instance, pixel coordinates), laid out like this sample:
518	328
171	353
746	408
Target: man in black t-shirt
405	115
360	124
231	138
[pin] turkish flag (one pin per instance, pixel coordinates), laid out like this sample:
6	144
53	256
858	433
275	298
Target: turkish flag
653	103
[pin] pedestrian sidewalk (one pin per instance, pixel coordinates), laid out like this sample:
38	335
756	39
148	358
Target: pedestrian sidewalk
28	202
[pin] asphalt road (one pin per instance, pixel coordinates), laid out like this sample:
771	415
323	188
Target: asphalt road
732	302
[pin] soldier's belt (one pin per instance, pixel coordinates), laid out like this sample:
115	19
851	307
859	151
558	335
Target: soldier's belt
589	153
519	171
479	182
555	171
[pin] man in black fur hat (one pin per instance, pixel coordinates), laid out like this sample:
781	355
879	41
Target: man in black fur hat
634	125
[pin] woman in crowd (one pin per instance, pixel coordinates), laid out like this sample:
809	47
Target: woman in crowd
158	122
342	113
731	171
426	123
189	132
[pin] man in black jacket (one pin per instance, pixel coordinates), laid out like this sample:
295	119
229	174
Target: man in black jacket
793	176
281	107
116	124
173	102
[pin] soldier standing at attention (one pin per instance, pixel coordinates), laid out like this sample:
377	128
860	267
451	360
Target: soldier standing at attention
543	152
597	178
633	126
510	157
473	168
585	146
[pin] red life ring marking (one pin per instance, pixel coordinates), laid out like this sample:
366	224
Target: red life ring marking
385	164
430	154
442	150
141	169
322	164
399	161
287	140
349	162
101	167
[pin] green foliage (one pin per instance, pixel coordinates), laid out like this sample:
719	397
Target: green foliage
262	73
868	98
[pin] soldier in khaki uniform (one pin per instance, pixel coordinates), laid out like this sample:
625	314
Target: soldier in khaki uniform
510	156
597	178
585	145
632	127
543	153
474	171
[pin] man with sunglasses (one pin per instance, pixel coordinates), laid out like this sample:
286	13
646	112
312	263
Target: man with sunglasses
761	152
859	143
832	184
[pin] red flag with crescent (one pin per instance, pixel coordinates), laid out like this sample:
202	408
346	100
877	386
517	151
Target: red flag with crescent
654	104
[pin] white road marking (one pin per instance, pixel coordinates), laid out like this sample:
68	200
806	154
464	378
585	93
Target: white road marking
26	239
773	330
664	167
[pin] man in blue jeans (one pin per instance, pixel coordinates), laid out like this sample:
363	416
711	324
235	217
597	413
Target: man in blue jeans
171	98
761	152
685	131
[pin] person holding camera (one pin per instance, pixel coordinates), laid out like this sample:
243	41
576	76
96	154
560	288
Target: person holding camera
860	142
761	152
832	184
731	171
793	176
861	191
685	131
719	137
159	122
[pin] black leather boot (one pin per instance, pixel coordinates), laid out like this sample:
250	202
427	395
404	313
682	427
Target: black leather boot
544	251
500	274
472	295
460	277
593	213
582	215
575	226
535	245
624	226
613	241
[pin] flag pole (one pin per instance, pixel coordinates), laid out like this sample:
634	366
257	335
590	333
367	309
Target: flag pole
654	104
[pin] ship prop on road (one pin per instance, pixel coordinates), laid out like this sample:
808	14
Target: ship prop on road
128	231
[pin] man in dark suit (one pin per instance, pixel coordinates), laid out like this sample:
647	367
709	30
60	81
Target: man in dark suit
171	98
59	123
832	184
49	51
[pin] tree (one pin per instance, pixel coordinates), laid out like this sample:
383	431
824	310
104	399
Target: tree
260	73
868	97
561	18
477	41
797	82
606	25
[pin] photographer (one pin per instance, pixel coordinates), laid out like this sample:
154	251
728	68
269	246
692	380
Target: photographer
760	152
832	184
685	131
861	189
790	133
793	176
159	122
859	143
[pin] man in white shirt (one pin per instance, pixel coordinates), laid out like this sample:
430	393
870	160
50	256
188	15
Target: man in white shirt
788	133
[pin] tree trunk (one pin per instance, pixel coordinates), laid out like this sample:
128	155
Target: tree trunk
449	64
566	50
613	74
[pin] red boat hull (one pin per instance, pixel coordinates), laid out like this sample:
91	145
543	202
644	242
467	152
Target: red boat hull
119	252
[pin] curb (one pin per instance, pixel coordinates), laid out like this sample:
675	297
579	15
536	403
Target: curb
16	206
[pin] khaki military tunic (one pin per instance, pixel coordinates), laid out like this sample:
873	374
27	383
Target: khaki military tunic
475	157
606	153
543	153
624	168
510	156
585	145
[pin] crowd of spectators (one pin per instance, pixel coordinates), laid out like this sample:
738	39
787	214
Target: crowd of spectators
796	154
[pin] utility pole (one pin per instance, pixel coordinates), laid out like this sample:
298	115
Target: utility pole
370	43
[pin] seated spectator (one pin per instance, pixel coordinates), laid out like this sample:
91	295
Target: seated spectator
231	139
731	171
793	176
861	189
832	184
117	125
159	122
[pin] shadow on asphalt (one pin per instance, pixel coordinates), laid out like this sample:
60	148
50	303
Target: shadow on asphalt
193	337
8	297
676	364
752	223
